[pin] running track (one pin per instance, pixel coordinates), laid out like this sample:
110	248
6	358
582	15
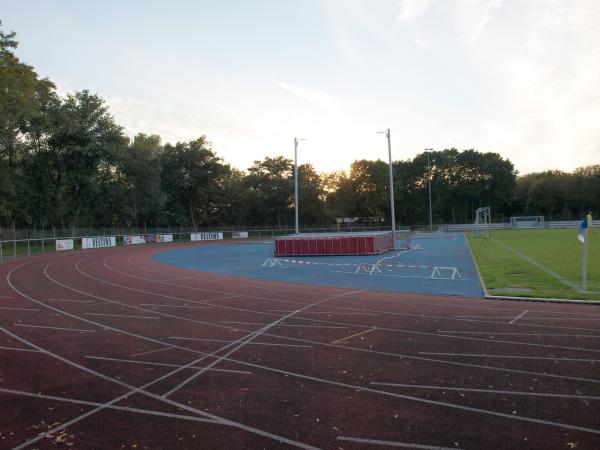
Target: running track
110	349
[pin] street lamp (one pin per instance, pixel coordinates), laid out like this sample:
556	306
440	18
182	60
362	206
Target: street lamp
296	140
427	150
393	214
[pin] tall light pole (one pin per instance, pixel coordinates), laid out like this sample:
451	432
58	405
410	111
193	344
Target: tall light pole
296	140
393	214
427	150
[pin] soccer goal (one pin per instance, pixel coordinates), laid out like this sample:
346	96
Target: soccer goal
527	222
483	223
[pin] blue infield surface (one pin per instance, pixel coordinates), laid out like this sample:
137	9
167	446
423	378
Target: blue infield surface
440	264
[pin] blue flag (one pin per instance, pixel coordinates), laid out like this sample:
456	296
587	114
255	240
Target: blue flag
582	230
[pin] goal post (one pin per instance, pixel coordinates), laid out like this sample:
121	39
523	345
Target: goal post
527	222
482	227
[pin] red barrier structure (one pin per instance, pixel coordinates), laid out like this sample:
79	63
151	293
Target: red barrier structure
321	244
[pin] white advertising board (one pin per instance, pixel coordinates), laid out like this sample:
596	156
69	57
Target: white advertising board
164	238
213	236
239	235
98	242
133	240
64	244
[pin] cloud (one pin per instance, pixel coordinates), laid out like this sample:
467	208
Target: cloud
420	42
473	16
411	10
548	76
323	100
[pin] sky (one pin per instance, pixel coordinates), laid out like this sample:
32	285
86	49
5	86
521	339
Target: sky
516	77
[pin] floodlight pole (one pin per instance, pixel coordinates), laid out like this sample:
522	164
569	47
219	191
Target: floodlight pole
393	213
427	150
296	140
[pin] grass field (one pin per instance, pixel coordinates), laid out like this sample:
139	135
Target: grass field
537	263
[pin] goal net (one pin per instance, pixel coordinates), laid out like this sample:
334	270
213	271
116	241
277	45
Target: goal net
527	222
483	223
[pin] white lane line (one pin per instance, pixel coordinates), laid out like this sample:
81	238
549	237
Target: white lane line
528	318
339	341
284	325
132	389
368	298
475	355
152	363
120	408
6	296
454	363
519	334
53	328
70	300
306	319
489	391
121	315
250	343
394	443
298	375
152	351
420	358
518	317
438	361
227	297
328	312
481	317
16	349
18	309
239	343
176	306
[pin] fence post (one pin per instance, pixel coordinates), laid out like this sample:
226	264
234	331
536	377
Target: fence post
43	251
14	248
1	245
28	249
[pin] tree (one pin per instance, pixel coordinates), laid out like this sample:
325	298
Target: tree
86	146
141	169
311	189
22	99
270	191
194	182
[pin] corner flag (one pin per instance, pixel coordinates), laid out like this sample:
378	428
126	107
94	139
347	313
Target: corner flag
582	230
583	237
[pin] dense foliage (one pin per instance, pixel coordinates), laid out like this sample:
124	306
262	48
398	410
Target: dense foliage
64	162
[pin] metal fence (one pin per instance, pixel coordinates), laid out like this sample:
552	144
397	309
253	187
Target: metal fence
17	243
23	243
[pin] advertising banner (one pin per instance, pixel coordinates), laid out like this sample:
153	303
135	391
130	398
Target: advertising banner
212	236
149	238
164	238
98	242
239	234
133	240
64	244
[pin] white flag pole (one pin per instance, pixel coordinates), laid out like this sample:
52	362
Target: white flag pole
584	265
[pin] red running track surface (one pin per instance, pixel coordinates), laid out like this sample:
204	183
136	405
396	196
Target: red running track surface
110	349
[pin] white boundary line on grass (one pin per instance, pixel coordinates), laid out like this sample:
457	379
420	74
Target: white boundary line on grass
526	299
481	282
539	266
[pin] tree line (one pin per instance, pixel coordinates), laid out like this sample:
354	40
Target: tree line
65	162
